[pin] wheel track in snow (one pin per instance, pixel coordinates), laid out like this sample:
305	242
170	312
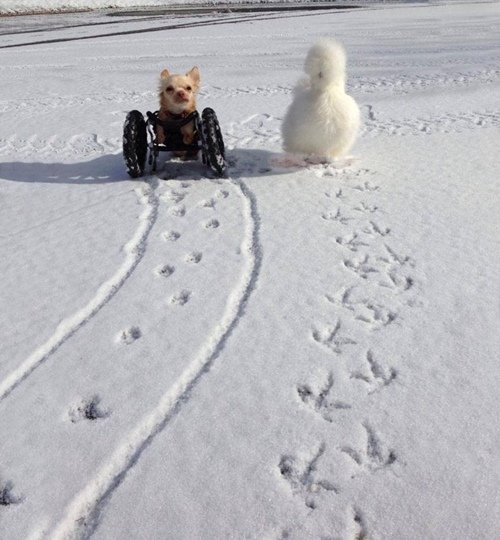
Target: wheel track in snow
256	130
39	105
263	130
82	145
83	513
405	84
135	249
396	84
425	125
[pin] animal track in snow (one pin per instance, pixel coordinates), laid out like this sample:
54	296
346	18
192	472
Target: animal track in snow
370	311
211	224
194	257
445	123
7	498
84	144
404	84
37	105
377	377
331	338
336	216
320	400
375	456
83	512
376	315
207	203
241	135
165	270
342	171
351	241
399	259
178	211
397	270
392	270
88	409
235	92
378	456
181	298
362	267
130	335
394	84
375	229
300	473
366	186
264	130
171	236
173	196
360	531
339	194
399	282
221	194
366	208
134	249
258	129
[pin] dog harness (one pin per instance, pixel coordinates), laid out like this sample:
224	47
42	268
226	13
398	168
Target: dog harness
173	124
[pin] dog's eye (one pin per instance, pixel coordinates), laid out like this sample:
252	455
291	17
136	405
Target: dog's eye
169	89
188	88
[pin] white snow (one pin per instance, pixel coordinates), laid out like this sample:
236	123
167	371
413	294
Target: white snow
40	6
11	7
290	352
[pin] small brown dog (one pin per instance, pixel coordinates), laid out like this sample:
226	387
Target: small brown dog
177	100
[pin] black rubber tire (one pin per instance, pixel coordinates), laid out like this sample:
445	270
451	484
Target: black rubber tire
213	144
135	143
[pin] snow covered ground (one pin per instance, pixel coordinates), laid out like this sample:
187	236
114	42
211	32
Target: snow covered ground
46	6
286	353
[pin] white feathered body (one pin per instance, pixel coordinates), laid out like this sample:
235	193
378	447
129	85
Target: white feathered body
322	119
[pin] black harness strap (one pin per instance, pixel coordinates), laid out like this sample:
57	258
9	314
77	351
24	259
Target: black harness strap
174	124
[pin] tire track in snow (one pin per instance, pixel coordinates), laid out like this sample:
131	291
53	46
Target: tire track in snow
49	103
397	84
222	19
83	513
135	250
263	130
82	145
405	84
426	125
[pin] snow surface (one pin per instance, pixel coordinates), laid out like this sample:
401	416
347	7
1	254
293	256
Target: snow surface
302	353
11	7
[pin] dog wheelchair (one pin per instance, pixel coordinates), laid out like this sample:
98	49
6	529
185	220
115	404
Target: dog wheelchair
140	136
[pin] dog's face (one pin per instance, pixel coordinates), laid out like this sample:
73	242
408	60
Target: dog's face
178	92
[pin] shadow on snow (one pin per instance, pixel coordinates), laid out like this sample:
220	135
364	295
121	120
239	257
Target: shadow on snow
111	168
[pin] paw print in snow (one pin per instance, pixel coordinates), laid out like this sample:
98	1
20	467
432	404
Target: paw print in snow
88	409
301	475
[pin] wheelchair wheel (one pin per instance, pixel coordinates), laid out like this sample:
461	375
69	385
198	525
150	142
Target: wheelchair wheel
135	143
212	142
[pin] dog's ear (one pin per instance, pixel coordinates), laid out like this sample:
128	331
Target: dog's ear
164	74
194	74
